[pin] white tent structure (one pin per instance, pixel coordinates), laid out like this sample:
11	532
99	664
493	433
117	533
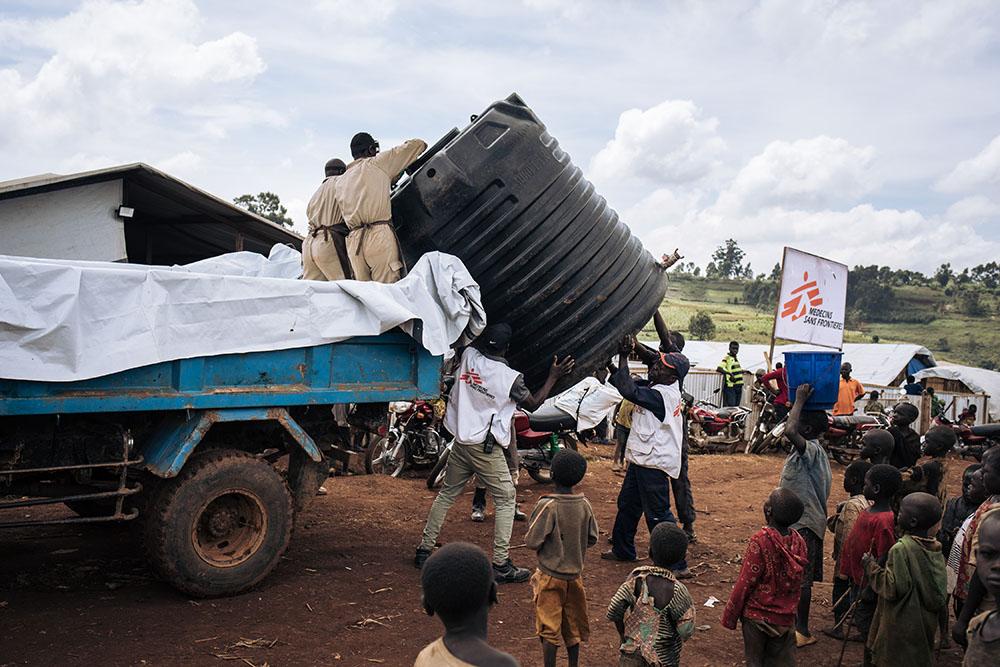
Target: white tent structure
877	364
978	380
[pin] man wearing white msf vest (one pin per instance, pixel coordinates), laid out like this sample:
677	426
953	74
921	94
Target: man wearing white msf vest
653	449
479	414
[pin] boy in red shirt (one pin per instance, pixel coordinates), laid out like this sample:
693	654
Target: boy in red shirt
766	594
874	533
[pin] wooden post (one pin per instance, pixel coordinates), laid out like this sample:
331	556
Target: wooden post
777	309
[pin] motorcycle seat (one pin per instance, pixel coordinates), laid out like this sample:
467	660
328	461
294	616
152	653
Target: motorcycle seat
726	413
853	420
551	418
986	430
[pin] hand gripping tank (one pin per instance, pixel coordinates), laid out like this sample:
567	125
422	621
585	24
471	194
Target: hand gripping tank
552	259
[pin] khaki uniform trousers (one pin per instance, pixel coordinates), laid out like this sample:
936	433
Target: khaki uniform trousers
464	462
374	253
320	260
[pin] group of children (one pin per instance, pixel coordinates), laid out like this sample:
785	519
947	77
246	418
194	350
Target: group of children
891	585
891	582
653	612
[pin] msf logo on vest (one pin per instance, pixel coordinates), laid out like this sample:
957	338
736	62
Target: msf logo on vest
475	382
804	303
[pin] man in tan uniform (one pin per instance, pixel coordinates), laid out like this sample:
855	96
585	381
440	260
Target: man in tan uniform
324	250
363	196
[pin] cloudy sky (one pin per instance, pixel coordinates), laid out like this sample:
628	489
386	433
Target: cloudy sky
865	131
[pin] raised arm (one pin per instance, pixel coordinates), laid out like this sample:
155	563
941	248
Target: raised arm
398	158
556	371
802	395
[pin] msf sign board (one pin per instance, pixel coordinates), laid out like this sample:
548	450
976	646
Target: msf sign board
812	302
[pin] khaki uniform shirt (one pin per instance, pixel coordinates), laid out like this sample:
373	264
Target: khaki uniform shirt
323	209
363	190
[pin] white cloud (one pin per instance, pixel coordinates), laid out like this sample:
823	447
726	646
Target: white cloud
356	13
805	174
183	165
975	210
670	143
111	66
981	171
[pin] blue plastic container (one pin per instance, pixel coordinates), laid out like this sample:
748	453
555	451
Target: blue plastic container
819	369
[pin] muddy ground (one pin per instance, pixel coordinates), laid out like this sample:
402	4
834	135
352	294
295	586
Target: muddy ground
346	592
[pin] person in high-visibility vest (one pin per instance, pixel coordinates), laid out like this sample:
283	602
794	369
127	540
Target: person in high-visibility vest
732	377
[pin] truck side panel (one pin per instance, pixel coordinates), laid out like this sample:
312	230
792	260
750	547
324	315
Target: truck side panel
389	367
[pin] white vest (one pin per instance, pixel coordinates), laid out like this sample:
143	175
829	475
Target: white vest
481	393
588	401
654	443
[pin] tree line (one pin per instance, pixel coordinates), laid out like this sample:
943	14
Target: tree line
870	296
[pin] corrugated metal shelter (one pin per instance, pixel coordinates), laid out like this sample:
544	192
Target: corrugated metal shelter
80	216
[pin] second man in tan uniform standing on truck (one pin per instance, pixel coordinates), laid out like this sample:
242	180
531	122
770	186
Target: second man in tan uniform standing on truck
363	195
324	250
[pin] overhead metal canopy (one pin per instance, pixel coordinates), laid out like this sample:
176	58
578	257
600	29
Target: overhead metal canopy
174	222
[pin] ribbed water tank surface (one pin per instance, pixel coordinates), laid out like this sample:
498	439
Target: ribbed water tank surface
552	259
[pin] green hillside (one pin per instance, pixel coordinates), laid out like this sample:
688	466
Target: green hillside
923	315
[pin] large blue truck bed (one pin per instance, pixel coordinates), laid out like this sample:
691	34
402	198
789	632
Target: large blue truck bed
390	367
216	516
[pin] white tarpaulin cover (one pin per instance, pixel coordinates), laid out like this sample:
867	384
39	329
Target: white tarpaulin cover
64	320
977	379
877	364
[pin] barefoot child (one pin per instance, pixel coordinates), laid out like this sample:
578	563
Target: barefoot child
653	611
458	587
840	524
807	474
766	593
911	589
984	630
561	529
874	533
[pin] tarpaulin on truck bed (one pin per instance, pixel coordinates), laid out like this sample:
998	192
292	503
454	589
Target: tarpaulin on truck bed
64	320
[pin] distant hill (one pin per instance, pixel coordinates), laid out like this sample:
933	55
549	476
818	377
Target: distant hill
926	315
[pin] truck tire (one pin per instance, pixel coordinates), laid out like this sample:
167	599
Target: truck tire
221	525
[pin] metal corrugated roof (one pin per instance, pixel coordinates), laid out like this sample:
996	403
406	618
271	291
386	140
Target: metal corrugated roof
168	185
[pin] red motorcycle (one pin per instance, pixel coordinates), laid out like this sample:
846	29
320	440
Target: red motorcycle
412	440
713	429
539	435
844	432
972	440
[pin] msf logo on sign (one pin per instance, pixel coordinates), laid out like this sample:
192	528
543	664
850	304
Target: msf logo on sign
796	306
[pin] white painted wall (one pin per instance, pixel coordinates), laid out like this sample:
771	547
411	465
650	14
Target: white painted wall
74	223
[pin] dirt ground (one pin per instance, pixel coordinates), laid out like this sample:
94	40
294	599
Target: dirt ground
346	592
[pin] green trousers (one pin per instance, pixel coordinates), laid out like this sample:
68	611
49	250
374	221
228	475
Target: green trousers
491	469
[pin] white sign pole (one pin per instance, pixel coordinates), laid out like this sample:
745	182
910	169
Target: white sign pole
812	301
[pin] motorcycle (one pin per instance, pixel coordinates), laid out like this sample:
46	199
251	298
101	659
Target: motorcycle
972	440
539	436
714	429
764	437
844	433
411	440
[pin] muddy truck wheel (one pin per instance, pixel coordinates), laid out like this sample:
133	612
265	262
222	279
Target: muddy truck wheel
221	525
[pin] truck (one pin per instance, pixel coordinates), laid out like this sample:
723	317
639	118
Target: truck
214	457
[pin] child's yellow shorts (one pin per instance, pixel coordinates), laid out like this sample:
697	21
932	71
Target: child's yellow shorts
560	609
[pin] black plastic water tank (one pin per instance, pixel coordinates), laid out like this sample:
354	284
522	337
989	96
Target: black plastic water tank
551	257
